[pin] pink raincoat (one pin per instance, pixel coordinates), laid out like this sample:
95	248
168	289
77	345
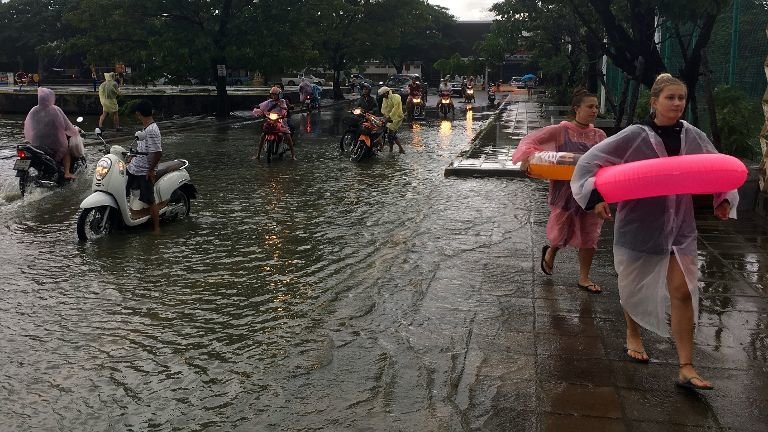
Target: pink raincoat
569	224
279	106
46	127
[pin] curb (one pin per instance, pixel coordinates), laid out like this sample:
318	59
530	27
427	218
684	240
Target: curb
232	120
476	170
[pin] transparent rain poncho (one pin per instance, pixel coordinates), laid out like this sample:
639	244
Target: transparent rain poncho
305	88
46	127
108	93
648	231
569	224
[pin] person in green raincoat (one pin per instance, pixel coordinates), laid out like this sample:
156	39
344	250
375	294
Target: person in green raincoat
392	109
108	92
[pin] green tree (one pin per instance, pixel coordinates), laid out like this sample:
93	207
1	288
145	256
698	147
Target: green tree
30	31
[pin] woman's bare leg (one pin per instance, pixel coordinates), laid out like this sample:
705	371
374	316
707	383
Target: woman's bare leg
585	264
682	321
635	347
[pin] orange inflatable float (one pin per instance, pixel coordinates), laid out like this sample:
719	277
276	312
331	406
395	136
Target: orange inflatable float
549	165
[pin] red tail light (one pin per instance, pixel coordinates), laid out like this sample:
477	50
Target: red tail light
21	154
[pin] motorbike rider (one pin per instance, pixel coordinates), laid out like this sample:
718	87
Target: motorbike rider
366	101
142	166
414	90
46	128
392	109
317	91
305	90
280	106
444	90
470	84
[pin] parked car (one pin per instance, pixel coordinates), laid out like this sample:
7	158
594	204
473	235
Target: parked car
456	88
399	84
517	82
295	79
356	79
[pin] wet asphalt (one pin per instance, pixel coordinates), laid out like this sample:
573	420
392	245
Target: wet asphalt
393	299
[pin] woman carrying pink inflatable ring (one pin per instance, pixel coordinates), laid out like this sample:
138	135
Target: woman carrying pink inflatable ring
655	251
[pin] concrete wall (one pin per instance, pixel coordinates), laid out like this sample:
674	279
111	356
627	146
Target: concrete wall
168	104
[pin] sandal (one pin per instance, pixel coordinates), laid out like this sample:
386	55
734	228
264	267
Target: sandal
543	261
635	359
591	288
688	382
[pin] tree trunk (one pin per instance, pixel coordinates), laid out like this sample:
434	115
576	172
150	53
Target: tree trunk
622	102
709	95
635	90
594	57
337	93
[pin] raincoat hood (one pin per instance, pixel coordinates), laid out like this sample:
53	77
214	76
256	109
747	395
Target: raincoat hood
109	76
46	127
45	97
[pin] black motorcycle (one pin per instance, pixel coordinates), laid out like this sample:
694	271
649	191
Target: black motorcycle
34	167
491	98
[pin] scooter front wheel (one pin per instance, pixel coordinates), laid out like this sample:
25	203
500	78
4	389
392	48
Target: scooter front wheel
94	223
347	141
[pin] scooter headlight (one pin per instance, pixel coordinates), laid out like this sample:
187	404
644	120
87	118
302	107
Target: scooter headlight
102	168
470	91
417	100
273	116
357	111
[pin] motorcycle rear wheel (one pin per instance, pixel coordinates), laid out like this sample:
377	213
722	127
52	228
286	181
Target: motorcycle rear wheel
24	183
94	223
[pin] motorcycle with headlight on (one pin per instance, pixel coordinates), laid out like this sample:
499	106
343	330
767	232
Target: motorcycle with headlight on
111	205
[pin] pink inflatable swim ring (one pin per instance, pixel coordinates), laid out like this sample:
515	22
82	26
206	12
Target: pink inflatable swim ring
676	175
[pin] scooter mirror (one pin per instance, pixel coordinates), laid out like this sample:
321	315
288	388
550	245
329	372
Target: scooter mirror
79	119
97	131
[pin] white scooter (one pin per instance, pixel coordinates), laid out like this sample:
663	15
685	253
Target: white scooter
111	204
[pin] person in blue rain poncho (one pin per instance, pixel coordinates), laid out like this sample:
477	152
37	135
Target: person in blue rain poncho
655	252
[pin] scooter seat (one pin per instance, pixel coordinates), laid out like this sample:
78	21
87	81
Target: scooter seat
164	168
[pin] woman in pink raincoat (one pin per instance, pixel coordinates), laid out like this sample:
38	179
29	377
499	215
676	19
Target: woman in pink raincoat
569	224
47	128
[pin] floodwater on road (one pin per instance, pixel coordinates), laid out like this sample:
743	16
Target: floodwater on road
318	294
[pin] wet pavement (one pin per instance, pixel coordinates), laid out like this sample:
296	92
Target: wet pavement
328	295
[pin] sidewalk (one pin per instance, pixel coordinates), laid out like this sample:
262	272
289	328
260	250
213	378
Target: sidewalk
490	150
561	361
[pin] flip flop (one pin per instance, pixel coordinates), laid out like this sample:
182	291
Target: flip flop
543	257
591	285
636	360
688	384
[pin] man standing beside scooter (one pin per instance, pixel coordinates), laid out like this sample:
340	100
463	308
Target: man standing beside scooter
392	109
141	168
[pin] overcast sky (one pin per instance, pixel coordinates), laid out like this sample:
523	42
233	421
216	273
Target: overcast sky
467	10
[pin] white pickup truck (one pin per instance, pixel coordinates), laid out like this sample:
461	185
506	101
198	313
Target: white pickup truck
295	79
